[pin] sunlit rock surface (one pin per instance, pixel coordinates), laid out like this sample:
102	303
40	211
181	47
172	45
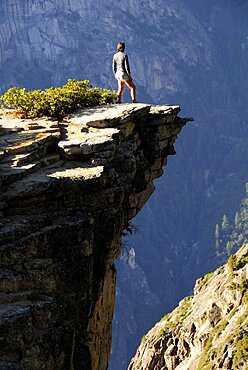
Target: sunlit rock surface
207	330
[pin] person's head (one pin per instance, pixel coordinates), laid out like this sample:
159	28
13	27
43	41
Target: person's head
121	46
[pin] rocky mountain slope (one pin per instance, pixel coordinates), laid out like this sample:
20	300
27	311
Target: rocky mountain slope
208	330
68	190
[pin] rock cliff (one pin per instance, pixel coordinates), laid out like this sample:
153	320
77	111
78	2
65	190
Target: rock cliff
206	331
181	50
68	190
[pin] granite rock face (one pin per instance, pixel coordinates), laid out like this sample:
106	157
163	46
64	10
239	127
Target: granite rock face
68	190
44	43
207	330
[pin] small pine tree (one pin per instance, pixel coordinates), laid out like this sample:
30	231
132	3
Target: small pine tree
236	220
230	237
228	248
225	223
217	236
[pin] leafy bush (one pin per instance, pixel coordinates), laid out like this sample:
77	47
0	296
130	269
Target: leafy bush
205	279
241	350
56	102
232	260
236	264
176	317
209	350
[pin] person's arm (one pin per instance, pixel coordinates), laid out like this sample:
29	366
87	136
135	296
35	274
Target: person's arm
127	66
114	66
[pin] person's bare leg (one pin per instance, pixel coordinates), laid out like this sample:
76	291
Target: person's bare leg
120	90
132	88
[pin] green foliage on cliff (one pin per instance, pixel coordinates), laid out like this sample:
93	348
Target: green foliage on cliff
236	264
172	319
230	236
241	354
56	101
208	351
240	287
239	341
205	279
241	351
211	352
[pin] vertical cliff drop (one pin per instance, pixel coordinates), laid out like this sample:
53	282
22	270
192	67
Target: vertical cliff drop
68	190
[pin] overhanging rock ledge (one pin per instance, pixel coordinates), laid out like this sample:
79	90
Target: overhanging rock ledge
68	190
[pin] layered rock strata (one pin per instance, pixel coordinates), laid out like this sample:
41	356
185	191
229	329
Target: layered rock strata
206	331
68	190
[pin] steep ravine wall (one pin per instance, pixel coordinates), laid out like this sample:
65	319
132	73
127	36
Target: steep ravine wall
207	331
68	190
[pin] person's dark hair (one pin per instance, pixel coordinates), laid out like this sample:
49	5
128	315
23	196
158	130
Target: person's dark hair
121	46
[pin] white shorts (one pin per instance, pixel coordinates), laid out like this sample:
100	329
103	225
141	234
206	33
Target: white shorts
122	76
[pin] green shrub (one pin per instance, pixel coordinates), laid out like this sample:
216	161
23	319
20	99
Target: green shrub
165	332
236	264
56	102
143	339
241	349
245	297
176	317
205	279
205	356
242	262
241	287
232	262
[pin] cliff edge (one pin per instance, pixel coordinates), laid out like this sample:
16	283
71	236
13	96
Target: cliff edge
68	190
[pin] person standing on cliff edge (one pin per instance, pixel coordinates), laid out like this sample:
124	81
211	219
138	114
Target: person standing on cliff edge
122	72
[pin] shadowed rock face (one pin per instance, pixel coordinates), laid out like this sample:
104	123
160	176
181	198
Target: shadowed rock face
68	190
